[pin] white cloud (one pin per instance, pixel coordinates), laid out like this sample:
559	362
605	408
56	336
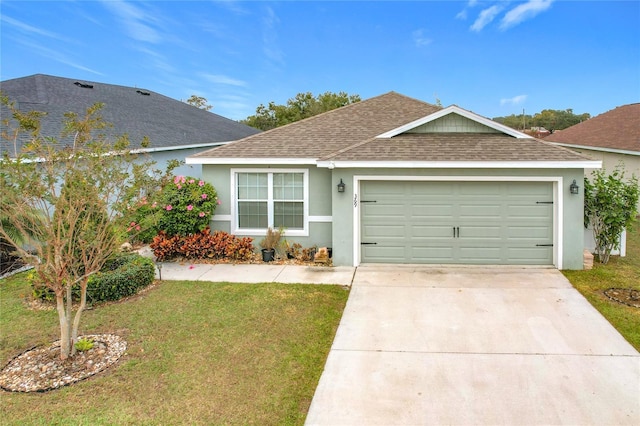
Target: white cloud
26	28
135	20
223	79
56	55
513	101
270	37
419	38
523	12
463	13
485	17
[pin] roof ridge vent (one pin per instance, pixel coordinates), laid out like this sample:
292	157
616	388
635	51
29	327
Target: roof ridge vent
84	85
143	93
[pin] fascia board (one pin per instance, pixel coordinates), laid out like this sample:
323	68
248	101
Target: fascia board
462	164
456	110
178	147
250	161
595	148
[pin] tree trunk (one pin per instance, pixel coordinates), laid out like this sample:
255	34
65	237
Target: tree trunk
76	319
64	327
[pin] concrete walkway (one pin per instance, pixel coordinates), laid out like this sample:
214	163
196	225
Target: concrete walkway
258	273
468	346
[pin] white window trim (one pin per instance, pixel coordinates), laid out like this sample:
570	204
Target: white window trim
558	204
235	229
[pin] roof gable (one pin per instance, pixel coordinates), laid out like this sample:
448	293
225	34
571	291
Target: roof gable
323	134
393	130
473	121
616	130
168	123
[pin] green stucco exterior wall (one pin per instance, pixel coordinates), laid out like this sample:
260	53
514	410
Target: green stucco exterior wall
335	211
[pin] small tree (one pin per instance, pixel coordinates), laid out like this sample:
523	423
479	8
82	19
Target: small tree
609	207
199	102
81	192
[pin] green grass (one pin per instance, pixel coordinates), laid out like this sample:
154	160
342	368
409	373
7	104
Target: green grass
622	272
198	353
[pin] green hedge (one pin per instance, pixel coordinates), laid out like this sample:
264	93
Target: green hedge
123	275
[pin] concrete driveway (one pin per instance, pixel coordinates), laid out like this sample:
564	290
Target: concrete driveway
463	346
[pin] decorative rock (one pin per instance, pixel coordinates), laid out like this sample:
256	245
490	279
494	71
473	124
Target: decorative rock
587	260
41	369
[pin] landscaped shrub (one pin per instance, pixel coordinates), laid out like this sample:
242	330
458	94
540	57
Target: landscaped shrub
122	276
187	205
165	247
202	245
144	221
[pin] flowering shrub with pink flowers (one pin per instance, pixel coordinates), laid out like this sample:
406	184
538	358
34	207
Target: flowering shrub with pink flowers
187	205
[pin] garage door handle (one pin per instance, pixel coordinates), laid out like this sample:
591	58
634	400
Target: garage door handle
368	244
456	232
544	245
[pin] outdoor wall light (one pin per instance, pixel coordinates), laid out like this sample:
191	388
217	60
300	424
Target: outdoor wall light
341	186
574	187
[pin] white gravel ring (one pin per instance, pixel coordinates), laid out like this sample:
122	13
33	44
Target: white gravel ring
21	375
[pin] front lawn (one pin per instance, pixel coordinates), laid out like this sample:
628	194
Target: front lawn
620	272
198	353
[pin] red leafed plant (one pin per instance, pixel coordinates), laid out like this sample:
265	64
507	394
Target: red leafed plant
202	245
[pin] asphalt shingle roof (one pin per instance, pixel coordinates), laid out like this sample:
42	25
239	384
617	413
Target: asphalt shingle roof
349	134
323	134
456	147
615	129
137	112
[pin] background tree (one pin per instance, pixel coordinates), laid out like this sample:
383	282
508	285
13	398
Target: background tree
609	207
550	119
302	106
80	194
199	102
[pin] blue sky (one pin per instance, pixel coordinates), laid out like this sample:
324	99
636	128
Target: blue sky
492	57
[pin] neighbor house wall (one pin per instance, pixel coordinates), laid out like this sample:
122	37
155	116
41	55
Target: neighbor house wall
611	160
162	158
571	213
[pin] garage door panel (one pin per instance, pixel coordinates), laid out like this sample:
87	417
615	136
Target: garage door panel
386	254
476	211
383	231
431	211
485	232
529	232
438	254
496	222
529	211
480	255
431	231
528	255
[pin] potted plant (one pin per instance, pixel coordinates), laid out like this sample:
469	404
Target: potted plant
269	244
294	251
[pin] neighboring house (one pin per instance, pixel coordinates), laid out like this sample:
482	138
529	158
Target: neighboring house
175	129
613	137
396	180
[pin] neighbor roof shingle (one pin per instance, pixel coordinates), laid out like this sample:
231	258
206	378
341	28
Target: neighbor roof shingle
137	112
615	129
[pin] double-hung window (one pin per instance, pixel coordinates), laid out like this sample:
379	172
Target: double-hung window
270	198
